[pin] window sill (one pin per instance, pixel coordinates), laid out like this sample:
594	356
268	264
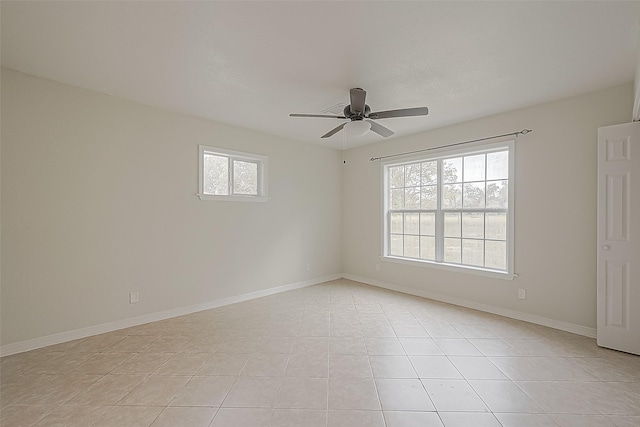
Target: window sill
451	267
233	198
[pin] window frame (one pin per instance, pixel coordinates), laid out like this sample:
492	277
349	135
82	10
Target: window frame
231	155
439	155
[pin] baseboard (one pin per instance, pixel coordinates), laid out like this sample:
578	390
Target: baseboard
33	344
531	318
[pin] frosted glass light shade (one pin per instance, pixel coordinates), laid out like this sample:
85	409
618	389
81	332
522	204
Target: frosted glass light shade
357	128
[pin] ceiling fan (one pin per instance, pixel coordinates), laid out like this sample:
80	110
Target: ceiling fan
361	118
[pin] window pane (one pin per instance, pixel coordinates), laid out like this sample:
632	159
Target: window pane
452	250
474	168
452	196
411	223
451	224
498	165
397	198
396	223
245	178
412	198
428	248
429	197
495	254
396	177
428	224
473	225
430	172
472	252
412	175
216	174
497	194
473	195
496	226
396	245
412	246
452	170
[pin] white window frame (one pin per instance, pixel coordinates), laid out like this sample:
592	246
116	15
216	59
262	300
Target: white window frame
441	154
259	160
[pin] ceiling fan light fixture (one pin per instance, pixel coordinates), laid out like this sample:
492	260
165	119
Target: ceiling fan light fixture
357	128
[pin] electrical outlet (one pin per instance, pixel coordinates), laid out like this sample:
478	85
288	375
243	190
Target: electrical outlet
134	297
522	294
377	267
308	267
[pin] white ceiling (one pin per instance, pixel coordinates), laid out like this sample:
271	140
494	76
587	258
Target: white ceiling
250	64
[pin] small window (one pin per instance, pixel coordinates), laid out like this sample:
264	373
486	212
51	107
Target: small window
232	175
453	209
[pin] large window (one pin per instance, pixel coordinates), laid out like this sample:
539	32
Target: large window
452	209
232	175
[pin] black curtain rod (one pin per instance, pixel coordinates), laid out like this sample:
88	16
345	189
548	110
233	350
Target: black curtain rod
516	134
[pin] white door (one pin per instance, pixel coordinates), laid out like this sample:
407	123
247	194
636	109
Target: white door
619	237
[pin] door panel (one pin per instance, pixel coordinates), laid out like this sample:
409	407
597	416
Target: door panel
619	237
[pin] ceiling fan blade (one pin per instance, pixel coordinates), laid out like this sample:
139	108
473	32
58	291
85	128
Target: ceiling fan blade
358	97
334	131
404	112
380	130
317	115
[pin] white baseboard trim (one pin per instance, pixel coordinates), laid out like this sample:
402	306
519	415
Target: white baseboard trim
531	318
33	344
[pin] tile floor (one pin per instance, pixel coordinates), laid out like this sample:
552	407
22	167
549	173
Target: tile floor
335	354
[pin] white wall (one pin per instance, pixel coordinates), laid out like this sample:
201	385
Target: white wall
98	199
555	210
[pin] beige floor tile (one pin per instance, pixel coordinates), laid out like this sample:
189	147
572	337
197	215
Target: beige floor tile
242	417
353	393
467	419
392	367
308	365
130	416
155	391
167	344
23	415
403	395
275	344
265	365
347	345
457	347
72	416
350	418
434	367
349	365
302	393
384	346
420	347
253	392
311	345
477	368
412	419
108	390
131	344
204	391
192	417
183	364
453	395
504	396
299	418
224	364
142	363
527	420
102	363
541	369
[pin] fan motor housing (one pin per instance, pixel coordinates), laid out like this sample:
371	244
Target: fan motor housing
356	116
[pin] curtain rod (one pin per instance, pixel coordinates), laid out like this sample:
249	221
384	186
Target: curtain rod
516	134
